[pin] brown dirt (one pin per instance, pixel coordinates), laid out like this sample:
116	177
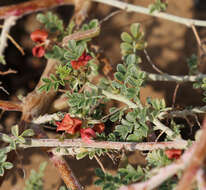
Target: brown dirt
169	45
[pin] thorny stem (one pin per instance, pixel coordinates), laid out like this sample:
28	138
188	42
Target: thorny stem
65	172
174	78
36	5
130	146
138	9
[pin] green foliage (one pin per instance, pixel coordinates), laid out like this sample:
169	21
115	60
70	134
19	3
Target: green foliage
3	163
116	114
201	84
124	176
156	106
35	181
133	127
51	22
134	42
192	63
63	188
92	24
157	158
158	5
16	138
2	60
81	103
91	152
13	141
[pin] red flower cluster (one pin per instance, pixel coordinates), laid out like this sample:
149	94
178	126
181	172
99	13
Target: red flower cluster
72	125
173	153
39	37
82	61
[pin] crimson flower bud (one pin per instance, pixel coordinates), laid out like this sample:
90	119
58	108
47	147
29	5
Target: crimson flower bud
39	36
38	51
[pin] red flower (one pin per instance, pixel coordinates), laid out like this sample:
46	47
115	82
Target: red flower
39	36
38	51
173	153
99	128
87	134
82	61
69	125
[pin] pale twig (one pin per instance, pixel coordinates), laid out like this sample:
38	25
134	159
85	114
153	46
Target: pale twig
151	62
100	163
175	95
109	16
8	23
10	71
174	78
130	146
138	9
16	44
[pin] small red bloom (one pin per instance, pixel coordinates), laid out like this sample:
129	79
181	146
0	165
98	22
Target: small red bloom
82	61
87	134
69	125
39	36
38	51
173	153
99	128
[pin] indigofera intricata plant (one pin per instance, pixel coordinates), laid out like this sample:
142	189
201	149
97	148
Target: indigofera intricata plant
87	124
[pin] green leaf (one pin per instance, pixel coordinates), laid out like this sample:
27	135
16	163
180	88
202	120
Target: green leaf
126	37
28	133
135	29
123	130
81	155
2	60
121	68
7	165
1	171
3	158
21	139
15	130
131	59
119	76
99	173
6	138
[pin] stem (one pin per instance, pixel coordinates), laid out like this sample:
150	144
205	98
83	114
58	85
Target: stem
65	172
22	9
175	78
130	146
134	8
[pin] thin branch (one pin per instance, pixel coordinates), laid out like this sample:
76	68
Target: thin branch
138	9
75	143
65	172
100	163
151	62
29	7
174	78
8	23
175	95
10	71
